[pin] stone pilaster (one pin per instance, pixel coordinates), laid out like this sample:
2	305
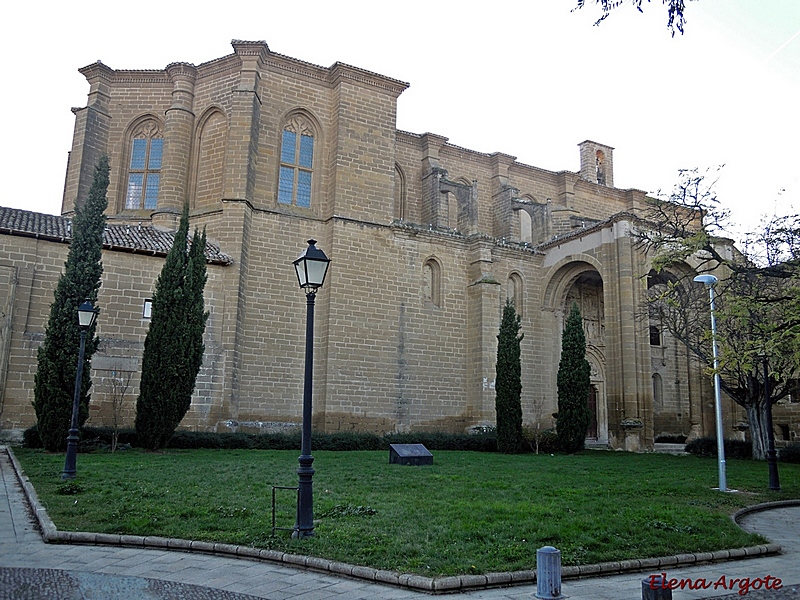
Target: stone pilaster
483	323
241	159
502	195
178	129
90	141
630	393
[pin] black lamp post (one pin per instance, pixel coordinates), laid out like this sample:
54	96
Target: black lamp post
86	318
772	459
311	267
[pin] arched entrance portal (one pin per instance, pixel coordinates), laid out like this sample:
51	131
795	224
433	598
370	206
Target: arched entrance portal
579	281
587	292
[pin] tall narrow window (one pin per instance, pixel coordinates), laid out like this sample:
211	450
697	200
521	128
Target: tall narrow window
525	226
144	169
514	292
432	282
297	159
658	392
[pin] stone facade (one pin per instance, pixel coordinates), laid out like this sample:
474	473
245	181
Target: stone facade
427	240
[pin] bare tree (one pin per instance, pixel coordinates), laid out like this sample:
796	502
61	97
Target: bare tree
118	383
757	299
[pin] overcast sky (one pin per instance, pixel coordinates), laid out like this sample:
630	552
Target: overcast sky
527	78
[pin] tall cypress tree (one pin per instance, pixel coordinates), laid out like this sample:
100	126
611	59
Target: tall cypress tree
573	381
508	383
54	383
173	348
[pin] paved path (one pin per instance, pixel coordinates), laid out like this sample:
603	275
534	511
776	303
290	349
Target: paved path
32	569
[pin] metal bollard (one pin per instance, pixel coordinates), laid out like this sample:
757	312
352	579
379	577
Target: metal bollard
548	573
653	588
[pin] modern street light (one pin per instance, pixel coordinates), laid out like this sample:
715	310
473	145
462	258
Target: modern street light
86	318
772	459
710	281
311	267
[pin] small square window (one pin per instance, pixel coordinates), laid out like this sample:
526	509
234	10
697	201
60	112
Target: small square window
147	309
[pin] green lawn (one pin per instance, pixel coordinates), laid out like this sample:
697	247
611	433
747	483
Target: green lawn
468	513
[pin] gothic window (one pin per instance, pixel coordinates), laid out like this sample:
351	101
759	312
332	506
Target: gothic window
144	169
297	159
432	282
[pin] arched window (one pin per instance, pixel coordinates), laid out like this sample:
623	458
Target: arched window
297	161
400	193
525	226
432	282
144	169
600	160
211	144
514	291
658	392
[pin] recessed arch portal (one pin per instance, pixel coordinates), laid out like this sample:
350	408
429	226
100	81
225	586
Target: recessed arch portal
579	281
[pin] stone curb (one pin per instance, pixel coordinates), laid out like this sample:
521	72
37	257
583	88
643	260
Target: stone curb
762	507
404	580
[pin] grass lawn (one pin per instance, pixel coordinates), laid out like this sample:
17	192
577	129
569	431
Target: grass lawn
468	513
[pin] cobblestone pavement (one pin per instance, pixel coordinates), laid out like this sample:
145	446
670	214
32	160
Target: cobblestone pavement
32	569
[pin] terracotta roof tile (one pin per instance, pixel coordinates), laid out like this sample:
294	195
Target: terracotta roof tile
123	238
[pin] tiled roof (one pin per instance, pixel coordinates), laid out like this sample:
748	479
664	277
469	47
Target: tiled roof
123	238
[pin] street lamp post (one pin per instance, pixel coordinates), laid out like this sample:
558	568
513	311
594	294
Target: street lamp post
772	459
311	267
710	281
86	318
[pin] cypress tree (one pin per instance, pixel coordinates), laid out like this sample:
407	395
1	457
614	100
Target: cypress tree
54	383
508	383
572	422
173	348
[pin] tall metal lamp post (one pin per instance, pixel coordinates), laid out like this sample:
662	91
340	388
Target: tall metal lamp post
311	267
86	318
710	281
772	459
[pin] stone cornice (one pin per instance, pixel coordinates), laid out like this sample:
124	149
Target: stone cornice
341	71
97	70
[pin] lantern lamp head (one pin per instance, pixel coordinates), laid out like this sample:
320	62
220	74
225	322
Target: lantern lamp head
86	314
311	267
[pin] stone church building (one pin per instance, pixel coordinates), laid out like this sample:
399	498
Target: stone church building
427	240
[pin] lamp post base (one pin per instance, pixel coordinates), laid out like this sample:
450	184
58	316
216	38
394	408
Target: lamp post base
71	462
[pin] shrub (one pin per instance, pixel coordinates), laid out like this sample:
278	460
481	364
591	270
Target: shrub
707	447
790	454
671	438
476	442
30	437
543	440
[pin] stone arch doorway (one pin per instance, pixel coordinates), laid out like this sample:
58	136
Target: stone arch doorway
580	282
